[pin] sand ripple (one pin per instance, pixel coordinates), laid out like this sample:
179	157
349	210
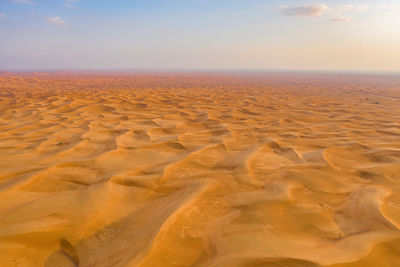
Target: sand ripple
197	170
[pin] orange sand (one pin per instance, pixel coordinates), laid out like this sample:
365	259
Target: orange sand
199	170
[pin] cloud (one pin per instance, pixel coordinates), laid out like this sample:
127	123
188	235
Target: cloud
344	8
362	8
2	15
341	19
342	12
56	20
26	2
305	11
389	6
353	8
68	3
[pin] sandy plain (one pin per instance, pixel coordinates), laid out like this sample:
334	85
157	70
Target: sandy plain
199	169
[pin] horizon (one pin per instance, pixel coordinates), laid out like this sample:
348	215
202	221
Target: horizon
203	70
288	35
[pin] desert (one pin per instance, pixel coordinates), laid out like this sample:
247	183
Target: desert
199	169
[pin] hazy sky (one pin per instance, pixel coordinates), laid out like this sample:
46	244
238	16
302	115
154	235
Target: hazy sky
200	34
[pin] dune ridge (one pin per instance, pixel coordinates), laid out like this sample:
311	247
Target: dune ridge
199	169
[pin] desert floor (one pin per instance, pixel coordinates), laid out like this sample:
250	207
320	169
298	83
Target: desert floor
199	169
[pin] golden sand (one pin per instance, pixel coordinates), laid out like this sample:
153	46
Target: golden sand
199	170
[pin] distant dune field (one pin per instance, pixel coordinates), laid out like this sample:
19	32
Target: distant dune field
206	169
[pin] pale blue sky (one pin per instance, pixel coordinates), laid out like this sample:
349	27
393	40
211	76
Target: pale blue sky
200	34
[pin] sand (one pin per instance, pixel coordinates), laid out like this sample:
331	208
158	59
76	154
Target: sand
202	169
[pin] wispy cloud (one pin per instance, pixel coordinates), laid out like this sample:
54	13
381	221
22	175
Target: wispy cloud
68	3
56	20
385	11
389	6
26	2
343	12
2	15
305	10
344	8
352	8
362	8
341	19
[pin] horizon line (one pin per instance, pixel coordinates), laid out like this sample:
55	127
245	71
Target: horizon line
201	70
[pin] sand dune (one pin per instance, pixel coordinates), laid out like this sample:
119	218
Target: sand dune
199	170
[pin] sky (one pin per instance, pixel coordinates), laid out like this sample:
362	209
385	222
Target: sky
337	35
